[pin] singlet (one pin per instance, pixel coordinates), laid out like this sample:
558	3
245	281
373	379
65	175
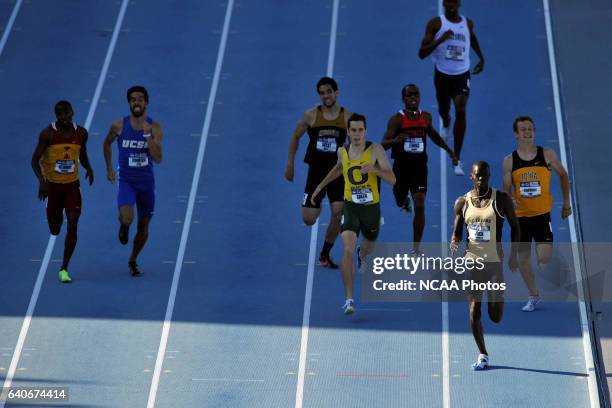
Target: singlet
531	181
134	159
60	161
452	57
359	188
325	138
414	147
484	228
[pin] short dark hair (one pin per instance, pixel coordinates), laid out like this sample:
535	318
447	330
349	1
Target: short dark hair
357	117
138	88
62	104
327	81
521	119
409	86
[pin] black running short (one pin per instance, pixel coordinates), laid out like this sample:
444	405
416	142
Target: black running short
449	86
408	178
362	218
537	228
334	190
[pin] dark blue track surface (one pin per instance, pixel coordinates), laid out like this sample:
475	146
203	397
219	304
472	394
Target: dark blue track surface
237	322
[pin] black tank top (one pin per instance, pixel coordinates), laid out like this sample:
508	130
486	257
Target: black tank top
325	138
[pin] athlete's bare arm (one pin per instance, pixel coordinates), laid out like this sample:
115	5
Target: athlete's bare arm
437	139
429	43
457	225
507	175
113	133
391	137
476	47
333	174
381	166
154	141
43	142
83	158
302	126
554	162
347	115
506	206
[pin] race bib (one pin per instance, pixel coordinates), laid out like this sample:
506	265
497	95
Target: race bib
327	144
138	160
479	233
362	195
414	145
530	189
64	166
455	53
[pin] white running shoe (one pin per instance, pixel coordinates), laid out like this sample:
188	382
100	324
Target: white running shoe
446	133
458	169
481	363
531	304
349	306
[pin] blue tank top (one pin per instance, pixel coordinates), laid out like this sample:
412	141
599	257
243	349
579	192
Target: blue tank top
135	162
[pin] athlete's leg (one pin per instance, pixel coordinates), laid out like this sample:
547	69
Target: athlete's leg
526	269
443	97
142	234
333	229
544	251
495	306
418	223
126	198
55	209
476	321
349	240
460	122
71	237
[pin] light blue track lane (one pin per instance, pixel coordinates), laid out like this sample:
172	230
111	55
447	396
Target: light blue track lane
235	334
537	358
99	334
34	75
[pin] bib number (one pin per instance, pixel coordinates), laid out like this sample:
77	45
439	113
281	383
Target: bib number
414	145
64	166
362	195
455	53
138	160
327	145
479	233
530	189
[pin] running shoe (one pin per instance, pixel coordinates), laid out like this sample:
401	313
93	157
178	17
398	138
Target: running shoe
124	234
458	169
326	262
349	307
531	303
481	363
446	132
134	270
406	206
64	277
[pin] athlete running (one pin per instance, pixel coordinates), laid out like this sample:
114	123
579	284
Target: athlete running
406	136
482	210
362	164
448	38
527	173
326	127
139	145
61	147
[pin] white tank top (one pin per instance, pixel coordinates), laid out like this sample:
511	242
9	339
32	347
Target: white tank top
452	57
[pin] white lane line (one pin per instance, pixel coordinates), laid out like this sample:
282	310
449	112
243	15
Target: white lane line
45	263
444	238
161	352
584	323
299	393
9	25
